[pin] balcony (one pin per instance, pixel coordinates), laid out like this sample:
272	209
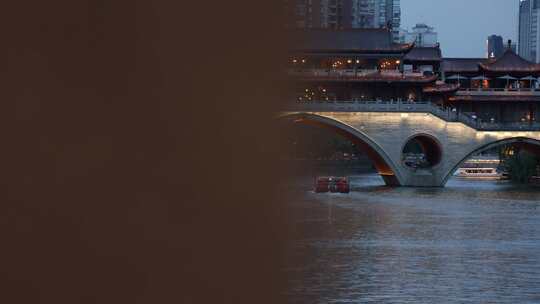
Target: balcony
331	73
353	73
498	92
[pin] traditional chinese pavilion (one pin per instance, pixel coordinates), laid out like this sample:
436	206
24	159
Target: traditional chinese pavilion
363	64
496	90
425	59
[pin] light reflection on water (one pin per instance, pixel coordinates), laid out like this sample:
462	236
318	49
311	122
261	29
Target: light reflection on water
471	242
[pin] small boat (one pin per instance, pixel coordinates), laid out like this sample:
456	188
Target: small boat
332	184
483	173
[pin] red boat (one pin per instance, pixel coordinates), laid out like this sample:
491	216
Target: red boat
332	184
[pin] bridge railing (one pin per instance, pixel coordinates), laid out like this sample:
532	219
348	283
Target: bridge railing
397	106
350	73
369	106
514	126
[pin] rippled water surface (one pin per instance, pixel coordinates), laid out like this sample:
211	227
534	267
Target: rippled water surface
471	242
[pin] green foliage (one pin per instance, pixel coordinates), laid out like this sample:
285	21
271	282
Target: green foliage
521	166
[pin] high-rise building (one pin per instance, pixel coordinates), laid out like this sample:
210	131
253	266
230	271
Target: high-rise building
331	14
529	29
495	46
513	47
393	11
303	13
335	14
345	14
363	14
383	13
422	36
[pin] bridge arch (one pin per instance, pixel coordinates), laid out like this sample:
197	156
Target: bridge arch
430	146
382	162
524	141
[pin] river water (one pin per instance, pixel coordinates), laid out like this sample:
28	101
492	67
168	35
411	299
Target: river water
471	242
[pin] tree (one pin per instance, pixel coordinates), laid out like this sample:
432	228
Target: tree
521	166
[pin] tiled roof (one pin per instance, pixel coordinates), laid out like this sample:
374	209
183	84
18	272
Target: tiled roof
462	65
339	41
424	54
510	62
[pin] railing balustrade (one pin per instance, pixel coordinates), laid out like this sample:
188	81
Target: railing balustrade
350	73
498	91
447	114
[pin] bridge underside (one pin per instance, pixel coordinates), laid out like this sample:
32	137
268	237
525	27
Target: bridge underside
374	153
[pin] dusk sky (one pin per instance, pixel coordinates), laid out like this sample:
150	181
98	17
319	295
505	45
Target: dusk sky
464	25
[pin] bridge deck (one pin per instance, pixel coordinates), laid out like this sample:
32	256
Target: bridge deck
410	107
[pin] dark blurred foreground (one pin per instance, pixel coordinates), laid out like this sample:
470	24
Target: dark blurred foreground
138	152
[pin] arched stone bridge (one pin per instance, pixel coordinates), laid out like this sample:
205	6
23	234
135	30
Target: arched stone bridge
384	130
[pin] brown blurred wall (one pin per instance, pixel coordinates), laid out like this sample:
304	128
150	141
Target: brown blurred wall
137	152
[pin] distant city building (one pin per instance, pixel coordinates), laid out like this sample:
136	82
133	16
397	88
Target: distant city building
376	14
529	29
331	14
345	14
495	46
422	35
513	47
305	13
363	14
393	9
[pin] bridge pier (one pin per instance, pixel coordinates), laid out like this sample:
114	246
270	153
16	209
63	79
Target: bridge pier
390	180
423	178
